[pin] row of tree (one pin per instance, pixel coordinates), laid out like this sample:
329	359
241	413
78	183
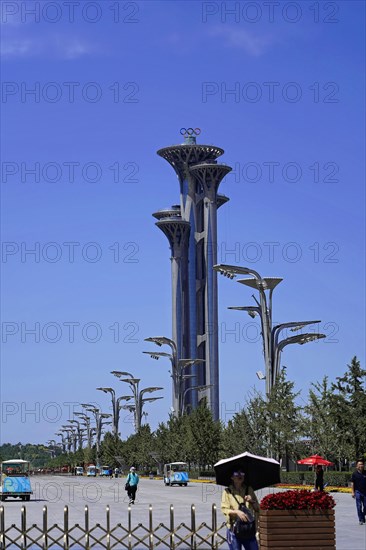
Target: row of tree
332	422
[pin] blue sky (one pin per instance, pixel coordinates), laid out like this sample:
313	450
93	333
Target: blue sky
282	92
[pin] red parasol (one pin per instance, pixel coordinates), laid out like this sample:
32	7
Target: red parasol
315	460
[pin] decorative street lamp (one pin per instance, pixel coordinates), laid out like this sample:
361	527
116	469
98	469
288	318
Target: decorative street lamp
52	445
299	339
80	431
178	374
99	416
198	388
63	441
138	398
115	406
272	347
86	420
120	373
70	437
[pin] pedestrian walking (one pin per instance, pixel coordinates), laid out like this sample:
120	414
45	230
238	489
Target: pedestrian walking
359	490
132	481
319	478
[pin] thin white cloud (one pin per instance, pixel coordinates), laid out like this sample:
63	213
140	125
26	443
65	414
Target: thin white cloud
15	48
252	43
50	45
73	47
76	49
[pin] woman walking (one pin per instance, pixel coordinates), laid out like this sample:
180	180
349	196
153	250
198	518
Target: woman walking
132	481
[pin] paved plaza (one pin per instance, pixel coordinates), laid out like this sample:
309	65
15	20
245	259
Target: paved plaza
57	491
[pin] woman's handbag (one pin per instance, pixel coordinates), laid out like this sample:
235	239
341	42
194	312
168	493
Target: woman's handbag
244	530
127	486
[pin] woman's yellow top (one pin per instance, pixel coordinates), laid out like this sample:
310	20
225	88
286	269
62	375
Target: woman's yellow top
228	502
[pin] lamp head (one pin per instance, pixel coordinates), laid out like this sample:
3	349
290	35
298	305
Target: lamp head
105	390
150	390
152	354
305	338
130	380
151	399
231	271
120	373
162	340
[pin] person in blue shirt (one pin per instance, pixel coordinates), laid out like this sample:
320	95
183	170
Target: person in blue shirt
133	480
359	490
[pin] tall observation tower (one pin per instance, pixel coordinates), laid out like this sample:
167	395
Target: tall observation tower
191	229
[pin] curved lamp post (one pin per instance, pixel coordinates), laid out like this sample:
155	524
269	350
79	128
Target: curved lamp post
272	347
70	437
177	373
115	407
98	416
63	441
52	445
198	388
138	398
86	420
299	339
79	431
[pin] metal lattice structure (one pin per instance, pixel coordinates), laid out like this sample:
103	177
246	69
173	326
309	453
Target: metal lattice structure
119	536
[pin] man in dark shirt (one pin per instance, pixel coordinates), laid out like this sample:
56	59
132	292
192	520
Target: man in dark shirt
319	478
359	490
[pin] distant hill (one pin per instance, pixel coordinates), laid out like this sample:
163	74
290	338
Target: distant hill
37	455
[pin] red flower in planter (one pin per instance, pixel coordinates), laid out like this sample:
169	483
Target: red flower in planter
298	500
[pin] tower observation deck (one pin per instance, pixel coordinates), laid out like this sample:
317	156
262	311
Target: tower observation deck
191	229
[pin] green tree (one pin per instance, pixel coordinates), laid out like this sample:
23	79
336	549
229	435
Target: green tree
162	443
205	437
236	436
89	455
321	426
350	407
284	419
247	431
137	449
38	455
256	411
109	449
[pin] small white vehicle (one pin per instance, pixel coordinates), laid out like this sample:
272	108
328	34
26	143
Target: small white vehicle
176	473
79	471
91	470
14	480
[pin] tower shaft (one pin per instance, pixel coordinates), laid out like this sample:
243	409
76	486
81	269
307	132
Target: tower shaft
195	324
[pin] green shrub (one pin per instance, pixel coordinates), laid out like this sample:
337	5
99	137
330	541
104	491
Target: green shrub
336	479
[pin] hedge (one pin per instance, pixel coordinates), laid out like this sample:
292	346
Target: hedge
336	479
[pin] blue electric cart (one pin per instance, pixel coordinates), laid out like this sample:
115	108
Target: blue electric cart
176	473
15	480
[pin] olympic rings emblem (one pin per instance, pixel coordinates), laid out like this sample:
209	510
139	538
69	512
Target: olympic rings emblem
190	131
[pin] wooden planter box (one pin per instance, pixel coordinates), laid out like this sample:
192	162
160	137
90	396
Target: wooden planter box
297	529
